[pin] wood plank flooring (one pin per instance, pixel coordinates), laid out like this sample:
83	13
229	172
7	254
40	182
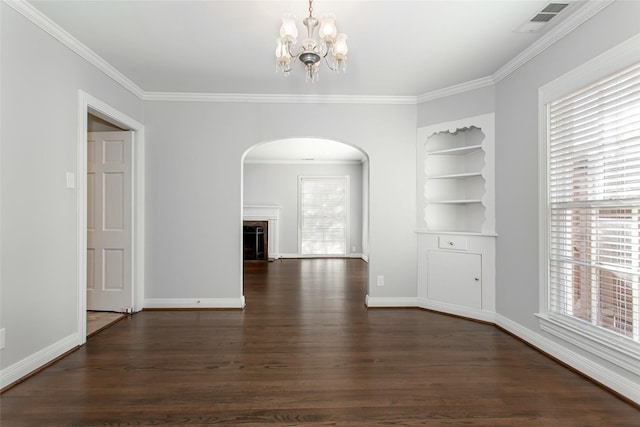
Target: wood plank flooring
306	351
99	320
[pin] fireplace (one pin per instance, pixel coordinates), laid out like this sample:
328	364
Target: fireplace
255	240
261	244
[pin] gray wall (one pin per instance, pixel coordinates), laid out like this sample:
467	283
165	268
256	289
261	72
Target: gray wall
194	176
40	82
517	169
459	106
277	184
515	102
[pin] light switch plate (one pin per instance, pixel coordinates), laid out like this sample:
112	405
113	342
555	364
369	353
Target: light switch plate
71	180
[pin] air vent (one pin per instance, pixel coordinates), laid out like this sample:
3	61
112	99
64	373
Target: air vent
554	8
541	18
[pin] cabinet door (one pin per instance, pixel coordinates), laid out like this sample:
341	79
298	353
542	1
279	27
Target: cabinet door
455	278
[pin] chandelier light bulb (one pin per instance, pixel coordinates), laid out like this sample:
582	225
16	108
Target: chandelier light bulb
340	45
289	27
328	30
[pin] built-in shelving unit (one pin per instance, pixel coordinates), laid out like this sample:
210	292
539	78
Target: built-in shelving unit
456	217
455	185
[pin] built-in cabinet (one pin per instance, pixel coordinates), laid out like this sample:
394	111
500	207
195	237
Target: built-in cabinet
456	217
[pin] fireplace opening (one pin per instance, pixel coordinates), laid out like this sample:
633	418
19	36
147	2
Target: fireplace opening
255	240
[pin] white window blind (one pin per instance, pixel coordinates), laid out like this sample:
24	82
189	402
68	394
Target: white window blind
594	201
323	215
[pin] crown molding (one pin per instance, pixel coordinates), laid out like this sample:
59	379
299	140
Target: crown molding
456	89
591	8
278	99
53	29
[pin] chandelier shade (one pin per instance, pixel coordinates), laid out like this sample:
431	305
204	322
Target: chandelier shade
329	45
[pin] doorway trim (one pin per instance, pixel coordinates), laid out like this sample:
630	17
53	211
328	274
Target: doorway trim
366	202
89	104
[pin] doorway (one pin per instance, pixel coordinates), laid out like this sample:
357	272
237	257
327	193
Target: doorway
271	173
124	260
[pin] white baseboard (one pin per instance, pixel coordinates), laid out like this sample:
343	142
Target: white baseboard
611	379
471	313
608	378
381	302
28	365
299	256
204	303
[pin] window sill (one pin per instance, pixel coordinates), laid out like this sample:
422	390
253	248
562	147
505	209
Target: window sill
617	350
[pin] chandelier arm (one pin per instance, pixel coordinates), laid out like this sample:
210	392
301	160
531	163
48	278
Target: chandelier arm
296	55
331	67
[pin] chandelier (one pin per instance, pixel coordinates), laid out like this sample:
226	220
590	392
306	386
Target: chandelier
331	46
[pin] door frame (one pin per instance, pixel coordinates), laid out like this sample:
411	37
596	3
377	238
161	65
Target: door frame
88	104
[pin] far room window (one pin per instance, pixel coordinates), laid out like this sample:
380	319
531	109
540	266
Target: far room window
592	213
323	215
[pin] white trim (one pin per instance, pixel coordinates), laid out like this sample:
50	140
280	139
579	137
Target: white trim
565	27
616	58
382	302
26	366
58	33
456	89
600	344
86	104
271	214
203	303
458	310
279	98
616	382
303	162
299	256
587	11
626	354
458	233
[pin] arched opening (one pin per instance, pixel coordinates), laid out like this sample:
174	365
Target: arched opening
282	179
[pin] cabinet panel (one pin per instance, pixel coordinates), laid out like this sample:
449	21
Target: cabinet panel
455	278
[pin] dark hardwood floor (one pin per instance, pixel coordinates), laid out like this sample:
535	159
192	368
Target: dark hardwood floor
306	351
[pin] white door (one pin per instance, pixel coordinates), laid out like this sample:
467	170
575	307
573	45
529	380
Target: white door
109	221
455	278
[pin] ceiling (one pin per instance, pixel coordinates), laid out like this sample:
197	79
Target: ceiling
397	48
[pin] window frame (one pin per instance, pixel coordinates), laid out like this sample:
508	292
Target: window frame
620	351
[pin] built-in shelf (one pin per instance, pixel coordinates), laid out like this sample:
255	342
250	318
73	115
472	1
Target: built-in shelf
458	151
454	178
455	175
453	202
456	217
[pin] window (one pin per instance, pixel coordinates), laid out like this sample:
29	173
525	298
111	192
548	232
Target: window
323	215
594	202
591	283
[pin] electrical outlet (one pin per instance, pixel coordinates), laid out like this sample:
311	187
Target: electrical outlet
1	338
380	280
353	249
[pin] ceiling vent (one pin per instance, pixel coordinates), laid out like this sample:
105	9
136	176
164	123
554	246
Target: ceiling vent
541	18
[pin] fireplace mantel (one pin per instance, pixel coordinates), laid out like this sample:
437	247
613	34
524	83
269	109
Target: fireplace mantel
271	214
